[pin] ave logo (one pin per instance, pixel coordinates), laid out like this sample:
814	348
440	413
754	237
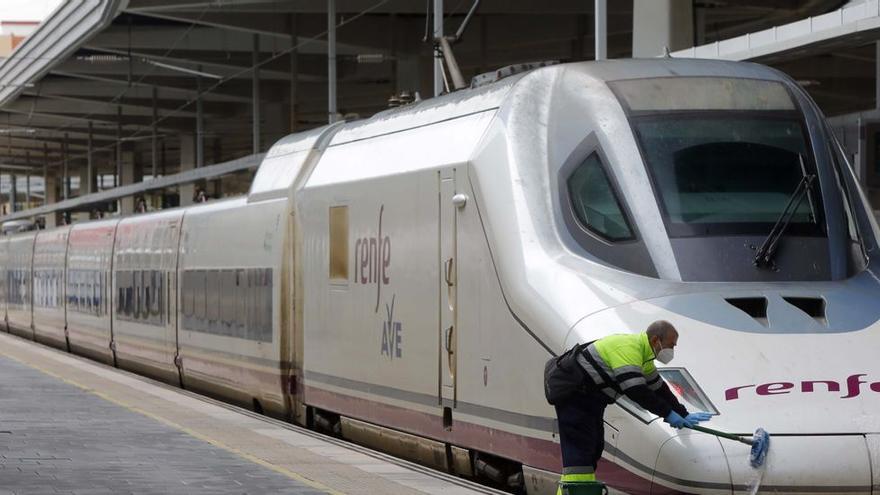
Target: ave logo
391	338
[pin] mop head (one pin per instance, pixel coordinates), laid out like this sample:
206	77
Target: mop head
760	445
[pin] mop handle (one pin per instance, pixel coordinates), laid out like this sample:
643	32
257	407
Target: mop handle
721	434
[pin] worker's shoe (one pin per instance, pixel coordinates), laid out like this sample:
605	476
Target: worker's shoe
580	483
581	488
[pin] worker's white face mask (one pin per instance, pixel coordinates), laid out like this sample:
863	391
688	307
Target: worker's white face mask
665	355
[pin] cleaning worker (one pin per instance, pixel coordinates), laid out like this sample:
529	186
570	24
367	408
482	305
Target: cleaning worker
583	381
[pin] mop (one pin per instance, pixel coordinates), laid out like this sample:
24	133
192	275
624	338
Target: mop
760	443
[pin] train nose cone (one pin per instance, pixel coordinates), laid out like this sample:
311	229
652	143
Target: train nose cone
698	463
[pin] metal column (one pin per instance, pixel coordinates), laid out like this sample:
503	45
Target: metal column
154	148
255	82
13	193
65	184
331	61
294	69
439	86
601	12
117	177
200	126
46	173
90	164
27	180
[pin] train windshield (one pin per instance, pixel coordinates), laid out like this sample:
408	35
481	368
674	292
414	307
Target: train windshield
724	155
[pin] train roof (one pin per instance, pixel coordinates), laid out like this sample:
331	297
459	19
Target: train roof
285	158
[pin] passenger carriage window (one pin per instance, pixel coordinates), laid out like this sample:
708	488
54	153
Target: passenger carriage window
200	297
253	299
267	306
187	299
146	296
212	310
595	203
338	243
227	310
241	304
130	295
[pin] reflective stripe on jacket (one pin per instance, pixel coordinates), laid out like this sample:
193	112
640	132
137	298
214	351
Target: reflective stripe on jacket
624	364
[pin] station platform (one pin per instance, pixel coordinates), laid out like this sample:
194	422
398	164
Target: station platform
69	425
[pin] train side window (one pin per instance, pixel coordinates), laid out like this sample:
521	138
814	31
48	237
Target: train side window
199	296
338	243
227	309
147	296
186	298
266	334
139	296
120	294
241	294
595	204
212	310
252	300
156	308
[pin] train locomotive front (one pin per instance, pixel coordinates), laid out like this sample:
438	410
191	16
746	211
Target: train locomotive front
715	196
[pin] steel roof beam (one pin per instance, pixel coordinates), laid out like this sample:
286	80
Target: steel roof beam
357	6
56	38
172	85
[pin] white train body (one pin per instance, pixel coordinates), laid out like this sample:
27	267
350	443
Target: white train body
406	278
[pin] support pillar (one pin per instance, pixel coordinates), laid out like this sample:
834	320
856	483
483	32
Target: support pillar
255	96
50	183
84	176
27	181
154	144
65	177
46	175
127	176
294	73
13	193
662	23
439	87
187	162
601	15
331	61
200	126
88	187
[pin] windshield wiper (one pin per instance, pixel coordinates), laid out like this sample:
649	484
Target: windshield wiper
764	255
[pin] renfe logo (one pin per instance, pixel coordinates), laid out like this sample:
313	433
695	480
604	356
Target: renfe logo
853	387
372	257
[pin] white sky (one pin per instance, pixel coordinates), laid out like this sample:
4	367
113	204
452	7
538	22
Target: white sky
26	10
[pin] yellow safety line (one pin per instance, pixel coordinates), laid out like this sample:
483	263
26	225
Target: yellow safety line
244	455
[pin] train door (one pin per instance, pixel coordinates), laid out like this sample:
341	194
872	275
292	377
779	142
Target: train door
448	269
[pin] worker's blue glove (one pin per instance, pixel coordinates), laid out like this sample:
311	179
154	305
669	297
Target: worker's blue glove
676	421
698	417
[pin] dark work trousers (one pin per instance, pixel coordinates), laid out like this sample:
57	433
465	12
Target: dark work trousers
581	429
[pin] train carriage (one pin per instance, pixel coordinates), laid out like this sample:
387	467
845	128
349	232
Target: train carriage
89	289
19	284
50	272
229	330
144	303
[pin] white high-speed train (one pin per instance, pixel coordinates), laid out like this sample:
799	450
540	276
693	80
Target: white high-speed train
402	280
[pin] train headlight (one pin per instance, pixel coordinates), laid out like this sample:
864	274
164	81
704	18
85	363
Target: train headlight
685	389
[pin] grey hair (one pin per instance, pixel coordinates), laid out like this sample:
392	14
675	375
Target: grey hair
660	329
